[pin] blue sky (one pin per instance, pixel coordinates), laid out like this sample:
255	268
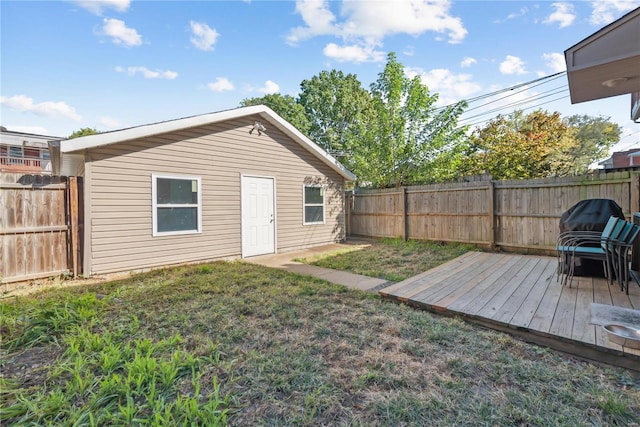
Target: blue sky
113	64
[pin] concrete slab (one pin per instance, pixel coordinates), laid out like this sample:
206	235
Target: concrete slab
285	261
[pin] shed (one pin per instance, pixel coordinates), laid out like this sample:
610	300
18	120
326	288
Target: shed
224	185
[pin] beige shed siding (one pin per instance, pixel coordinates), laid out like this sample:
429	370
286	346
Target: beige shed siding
120	207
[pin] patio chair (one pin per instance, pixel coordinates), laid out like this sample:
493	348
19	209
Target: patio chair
588	245
621	250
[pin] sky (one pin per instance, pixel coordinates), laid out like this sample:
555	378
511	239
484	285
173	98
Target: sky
112	64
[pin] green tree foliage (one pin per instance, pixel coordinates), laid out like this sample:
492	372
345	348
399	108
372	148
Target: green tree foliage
285	106
595	136
391	135
539	145
83	132
408	140
517	146
338	108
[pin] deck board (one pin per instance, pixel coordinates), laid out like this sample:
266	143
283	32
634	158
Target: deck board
521	294
537	283
583	330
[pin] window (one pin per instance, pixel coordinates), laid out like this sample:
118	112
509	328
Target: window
15	155
177	205
31	153
313	204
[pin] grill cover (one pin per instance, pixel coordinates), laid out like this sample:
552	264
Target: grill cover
589	215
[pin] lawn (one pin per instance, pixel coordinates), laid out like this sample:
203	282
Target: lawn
391	259
231	343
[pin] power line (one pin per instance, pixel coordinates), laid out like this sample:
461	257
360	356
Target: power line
546	94
550	77
512	94
523	109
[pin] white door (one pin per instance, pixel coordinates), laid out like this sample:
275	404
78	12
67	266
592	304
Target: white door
258	219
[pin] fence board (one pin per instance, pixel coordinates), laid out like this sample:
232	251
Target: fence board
34	226
515	214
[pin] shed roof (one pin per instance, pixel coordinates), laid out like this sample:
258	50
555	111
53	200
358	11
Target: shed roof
77	145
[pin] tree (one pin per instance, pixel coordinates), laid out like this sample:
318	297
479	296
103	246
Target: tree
595	136
285	106
540	144
83	132
408	140
517	146
337	107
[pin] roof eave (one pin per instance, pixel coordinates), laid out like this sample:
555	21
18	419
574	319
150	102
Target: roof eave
606	63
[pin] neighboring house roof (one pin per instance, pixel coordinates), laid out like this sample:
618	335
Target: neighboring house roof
22	139
622	159
77	145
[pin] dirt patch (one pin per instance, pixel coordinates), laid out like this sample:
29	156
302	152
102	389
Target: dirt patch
17	289
30	367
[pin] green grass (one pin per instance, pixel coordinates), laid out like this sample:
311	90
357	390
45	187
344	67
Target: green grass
391	259
239	344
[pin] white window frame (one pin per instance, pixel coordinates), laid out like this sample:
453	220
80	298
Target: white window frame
305	204
154	203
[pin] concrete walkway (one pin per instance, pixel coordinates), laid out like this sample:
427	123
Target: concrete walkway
286	261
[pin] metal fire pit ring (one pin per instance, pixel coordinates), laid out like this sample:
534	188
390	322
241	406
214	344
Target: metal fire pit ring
624	335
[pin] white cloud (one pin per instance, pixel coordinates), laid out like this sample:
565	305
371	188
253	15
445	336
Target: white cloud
409	51
109	122
555	62
222	84
23	103
450	87
147	73
120	33
368	23
204	37
563	15
318	18
98	6
605	12
512	65
353	53
382	18
523	11
269	87
467	62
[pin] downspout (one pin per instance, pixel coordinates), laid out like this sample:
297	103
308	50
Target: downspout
55	157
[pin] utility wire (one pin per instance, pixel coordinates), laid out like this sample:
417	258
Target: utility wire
511	94
525	101
522	109
518	103
550	77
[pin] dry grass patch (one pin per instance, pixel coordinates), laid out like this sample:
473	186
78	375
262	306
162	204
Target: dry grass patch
391	259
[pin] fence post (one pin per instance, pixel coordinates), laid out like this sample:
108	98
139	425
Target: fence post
347	213
73	222
492	214
634	188
403	207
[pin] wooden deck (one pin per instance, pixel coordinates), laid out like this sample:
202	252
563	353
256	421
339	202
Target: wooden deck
519	294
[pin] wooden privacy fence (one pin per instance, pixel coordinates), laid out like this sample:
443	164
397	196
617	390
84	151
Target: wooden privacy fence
520	215
40	226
